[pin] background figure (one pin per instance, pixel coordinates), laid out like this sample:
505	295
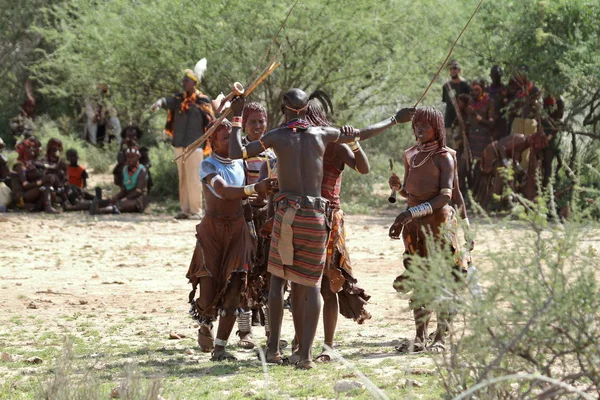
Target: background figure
499	94
456	86
189	114
554	110
103	125
133	196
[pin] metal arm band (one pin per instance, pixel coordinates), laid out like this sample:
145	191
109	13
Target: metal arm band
214	179
421	210
354	146
244	152
446	191
250	190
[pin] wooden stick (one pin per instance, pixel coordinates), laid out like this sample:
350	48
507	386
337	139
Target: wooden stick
193	146
449	53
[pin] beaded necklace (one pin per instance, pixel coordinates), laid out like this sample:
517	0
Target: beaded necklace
428	148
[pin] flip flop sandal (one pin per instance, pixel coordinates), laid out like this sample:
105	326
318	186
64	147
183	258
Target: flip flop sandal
409	346
294	359
225	356
436	348
283	344
325	356
306	364
246	342
277	359
206	342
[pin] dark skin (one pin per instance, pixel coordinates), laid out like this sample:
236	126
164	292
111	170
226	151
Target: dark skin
444	162
477	91
188	85
447	177
32	181
358	161
229	206
300	175
74	161
126	200
256	126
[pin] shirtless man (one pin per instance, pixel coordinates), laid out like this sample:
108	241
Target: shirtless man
223	253
300	231
429	186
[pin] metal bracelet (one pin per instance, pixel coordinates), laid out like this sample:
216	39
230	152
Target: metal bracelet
219	342
446	191
249	189
421	210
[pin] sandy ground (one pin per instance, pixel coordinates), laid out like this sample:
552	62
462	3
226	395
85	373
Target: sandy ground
124	276
137	264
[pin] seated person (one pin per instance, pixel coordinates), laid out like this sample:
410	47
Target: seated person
130	136
133	196
32	189
77	198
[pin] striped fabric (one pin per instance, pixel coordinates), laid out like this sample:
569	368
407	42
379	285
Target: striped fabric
332	178
310	247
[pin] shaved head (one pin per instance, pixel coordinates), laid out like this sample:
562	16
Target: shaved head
295	98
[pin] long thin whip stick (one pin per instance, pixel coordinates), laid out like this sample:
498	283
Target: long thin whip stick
262	60
449	53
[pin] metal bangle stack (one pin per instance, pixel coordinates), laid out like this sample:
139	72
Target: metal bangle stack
421	210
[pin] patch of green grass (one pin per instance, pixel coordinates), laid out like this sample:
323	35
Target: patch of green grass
16	320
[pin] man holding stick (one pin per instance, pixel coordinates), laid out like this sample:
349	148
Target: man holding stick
300	230
189	113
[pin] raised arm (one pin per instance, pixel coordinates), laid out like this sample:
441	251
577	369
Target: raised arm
353	156
350	134
168	103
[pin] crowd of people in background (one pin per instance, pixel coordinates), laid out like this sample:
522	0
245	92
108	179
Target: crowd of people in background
274	217
52	184
497	125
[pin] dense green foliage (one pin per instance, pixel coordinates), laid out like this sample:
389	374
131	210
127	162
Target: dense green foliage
372	57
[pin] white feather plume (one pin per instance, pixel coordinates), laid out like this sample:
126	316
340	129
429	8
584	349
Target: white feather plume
200	68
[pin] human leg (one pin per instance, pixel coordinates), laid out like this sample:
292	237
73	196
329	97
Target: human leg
330	317
183	198
193	185
275	312
228	317
306	307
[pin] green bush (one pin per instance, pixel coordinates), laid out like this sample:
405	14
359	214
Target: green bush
164	172
534	332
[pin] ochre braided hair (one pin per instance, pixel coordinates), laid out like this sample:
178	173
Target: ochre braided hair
319	105
434	118
250	108
226	124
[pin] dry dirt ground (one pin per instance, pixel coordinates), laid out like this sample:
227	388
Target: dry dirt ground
114	287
